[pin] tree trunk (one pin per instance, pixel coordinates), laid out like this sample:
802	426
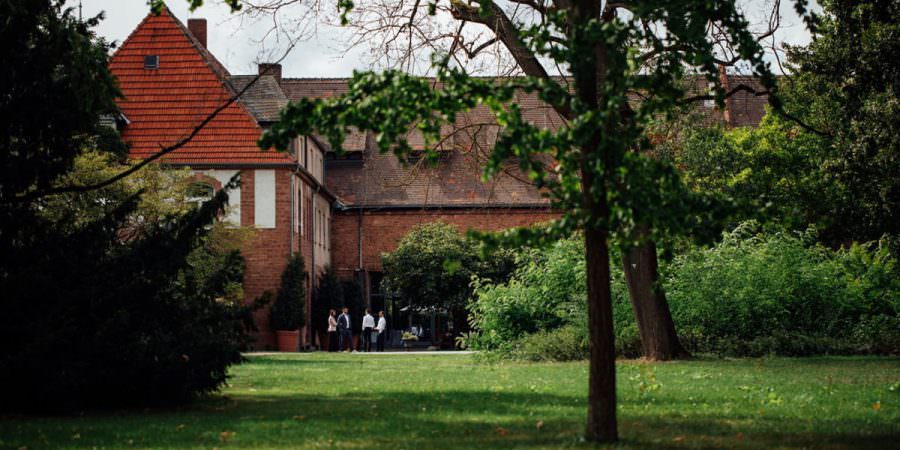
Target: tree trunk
659	342
589	72
601	416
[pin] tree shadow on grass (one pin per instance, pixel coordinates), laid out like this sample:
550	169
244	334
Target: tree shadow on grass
413	419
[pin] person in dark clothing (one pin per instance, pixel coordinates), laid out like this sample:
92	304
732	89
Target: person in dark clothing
344	333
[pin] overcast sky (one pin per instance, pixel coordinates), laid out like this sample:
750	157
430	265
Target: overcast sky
238	46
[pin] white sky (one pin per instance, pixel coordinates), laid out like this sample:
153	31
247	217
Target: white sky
238	45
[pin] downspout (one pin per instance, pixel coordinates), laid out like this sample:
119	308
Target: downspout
312	270
298	212
312	227
293	203
314	278
359	240
359	251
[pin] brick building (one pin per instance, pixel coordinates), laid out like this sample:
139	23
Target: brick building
335	210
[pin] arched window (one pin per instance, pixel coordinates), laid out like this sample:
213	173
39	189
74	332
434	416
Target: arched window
199	192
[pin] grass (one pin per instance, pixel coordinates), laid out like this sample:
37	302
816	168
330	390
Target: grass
451	401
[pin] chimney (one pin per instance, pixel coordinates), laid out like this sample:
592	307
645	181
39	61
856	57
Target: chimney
271	69
198	29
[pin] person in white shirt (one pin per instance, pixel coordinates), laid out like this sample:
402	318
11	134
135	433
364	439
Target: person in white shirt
381	330
332	331
368	324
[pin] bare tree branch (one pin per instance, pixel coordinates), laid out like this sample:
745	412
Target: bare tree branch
505	30
507	33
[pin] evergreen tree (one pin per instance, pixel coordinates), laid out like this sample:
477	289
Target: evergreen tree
106	300
289	311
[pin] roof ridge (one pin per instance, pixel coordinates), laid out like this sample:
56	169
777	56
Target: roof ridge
171	112
134	30
216	66
315	78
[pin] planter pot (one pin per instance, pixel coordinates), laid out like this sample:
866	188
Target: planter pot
288	341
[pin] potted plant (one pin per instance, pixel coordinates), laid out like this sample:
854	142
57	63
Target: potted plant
408	338
287	313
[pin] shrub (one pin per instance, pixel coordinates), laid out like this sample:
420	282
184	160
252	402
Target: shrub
545	292
153	320
568	343
288	311
780	293
754	293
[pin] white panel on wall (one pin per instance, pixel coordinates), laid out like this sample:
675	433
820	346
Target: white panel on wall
264	198
233	212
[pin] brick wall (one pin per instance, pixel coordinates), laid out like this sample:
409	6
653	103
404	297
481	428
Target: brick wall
382	230
267	252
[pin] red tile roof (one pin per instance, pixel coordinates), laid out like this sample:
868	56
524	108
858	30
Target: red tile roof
164	105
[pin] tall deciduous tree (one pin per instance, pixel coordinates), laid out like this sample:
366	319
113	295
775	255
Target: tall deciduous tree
600	178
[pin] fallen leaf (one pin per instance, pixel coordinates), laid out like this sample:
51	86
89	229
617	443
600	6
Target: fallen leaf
225	436
876	406
76	436
740	436
539	425
502	431
299	417
678	438
180	427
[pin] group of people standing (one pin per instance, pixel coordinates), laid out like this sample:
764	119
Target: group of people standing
340	331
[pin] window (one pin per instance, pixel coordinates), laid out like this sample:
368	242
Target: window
151	62
299	213
200	192
264	198
201	189
711	90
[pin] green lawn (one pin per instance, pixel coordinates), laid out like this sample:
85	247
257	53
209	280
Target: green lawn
450	401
